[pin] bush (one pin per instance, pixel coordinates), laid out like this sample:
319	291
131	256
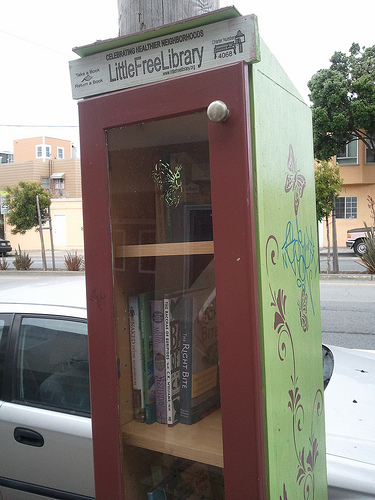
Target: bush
368	259
3	264
74	262
22	260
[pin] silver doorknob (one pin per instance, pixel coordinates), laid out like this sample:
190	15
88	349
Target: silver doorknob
217	111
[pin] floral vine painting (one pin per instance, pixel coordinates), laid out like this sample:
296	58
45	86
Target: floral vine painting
291	269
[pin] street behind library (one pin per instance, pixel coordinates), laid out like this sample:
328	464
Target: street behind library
348	312
347	305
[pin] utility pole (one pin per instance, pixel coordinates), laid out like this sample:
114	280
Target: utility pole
335	257
41	222
140	15
51	239
41	234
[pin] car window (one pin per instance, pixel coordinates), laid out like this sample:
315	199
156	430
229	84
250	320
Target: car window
52	364
3	344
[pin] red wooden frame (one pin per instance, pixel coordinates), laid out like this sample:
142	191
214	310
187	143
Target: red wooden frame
235	269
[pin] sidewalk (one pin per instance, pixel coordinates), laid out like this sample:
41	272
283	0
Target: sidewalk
36	256
340	250
37	265
344	275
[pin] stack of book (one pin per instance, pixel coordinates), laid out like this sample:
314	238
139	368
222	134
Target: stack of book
174	354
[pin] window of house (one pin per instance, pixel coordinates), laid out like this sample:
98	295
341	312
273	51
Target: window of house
59	183
346	207
60	153
370	156
45	182
349	154
43	151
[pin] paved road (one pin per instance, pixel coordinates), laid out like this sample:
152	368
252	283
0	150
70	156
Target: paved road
348	261
347	306
348	313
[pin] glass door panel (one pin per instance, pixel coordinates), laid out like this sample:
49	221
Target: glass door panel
165	308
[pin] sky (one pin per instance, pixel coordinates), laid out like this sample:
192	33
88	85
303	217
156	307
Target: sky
37	37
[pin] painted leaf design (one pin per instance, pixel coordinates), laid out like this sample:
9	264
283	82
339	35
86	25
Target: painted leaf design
295	399
313	454
302	469
295	181
280	314
285	496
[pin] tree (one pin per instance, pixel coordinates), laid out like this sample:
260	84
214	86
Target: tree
23	213
343	98
328	185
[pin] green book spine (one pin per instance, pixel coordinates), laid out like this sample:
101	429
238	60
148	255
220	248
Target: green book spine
148	359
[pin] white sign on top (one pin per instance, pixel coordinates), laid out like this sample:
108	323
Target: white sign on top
177	54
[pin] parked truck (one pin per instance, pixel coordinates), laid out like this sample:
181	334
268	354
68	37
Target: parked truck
355	239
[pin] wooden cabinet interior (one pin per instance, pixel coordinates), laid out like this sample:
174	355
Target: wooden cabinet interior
159	244
201	442
164	249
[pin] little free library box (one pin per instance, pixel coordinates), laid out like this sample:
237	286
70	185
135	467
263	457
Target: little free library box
205	345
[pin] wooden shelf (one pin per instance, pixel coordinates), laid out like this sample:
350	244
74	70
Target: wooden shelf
165	249
201	442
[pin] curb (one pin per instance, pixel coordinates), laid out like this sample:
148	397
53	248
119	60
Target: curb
64	272
347	277
41	272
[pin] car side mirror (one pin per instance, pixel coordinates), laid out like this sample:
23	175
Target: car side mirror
328	365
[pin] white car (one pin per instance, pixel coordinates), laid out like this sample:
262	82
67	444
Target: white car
45	424
350	423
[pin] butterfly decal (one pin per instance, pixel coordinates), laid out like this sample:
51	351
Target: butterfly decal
302	305
294	180
168	182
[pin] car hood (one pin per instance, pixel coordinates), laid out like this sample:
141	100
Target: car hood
68	291
350	406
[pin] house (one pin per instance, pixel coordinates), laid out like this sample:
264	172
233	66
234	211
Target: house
357	168
42	149
52	162
6	157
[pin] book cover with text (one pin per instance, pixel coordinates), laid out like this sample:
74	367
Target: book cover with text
136	359
147	357
158	342
199	380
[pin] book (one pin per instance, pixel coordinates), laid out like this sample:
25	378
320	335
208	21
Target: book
192	217
158	343
174	318
199	378
136	359
182	199
157	493
186	481
172	330
147	357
